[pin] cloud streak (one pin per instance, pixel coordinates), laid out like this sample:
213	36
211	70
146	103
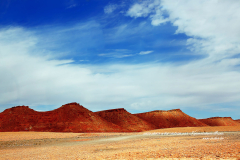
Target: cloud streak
117	53
110	8
145	52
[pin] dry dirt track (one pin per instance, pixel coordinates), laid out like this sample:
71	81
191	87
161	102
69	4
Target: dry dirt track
38	145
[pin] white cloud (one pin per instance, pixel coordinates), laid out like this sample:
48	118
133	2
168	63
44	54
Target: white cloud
158	18
145	52
117	53
138	10
113	55
110	8
143	9
213	25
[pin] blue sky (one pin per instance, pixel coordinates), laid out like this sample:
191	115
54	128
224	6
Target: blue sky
138	55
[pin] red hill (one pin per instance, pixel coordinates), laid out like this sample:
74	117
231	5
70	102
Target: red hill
220	121
171	118
126	120
238	120
17	118
71	117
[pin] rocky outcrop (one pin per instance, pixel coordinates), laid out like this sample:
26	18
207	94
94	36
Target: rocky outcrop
71	117
220	121
19	118
169	119
126	120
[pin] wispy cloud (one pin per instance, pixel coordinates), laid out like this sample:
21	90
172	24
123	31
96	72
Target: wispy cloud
117	53
72	6
110	8
114	7
151	8
145	52
71	40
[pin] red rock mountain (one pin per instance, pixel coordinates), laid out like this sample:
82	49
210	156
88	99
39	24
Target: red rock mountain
237	120
219	121
71	117
169	119
126	120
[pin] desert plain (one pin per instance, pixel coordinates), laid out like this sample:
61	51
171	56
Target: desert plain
219	142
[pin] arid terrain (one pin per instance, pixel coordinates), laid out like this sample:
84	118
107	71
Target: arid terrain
74	132
194	143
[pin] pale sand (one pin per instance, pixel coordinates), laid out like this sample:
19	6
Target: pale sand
40	145
198	129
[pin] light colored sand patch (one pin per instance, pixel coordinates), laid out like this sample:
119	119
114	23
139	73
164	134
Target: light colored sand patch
197	129
11	136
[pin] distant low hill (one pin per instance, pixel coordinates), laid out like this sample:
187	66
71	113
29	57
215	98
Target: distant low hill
169	119
220	121
126	120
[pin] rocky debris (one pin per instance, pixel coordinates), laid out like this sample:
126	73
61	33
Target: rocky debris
220	121
126	120
169	119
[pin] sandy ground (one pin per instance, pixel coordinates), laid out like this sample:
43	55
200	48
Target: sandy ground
142	145
199	129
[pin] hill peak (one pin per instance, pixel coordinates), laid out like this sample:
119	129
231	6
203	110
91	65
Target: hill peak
126	120
72	106
18	109
160	111
114	110
219	118
170	118
219	121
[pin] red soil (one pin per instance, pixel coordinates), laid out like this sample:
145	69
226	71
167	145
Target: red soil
220	121
126	120
71	117
169	119
238	120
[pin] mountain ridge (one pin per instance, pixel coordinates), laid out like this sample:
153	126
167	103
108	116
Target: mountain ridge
73	117
170	118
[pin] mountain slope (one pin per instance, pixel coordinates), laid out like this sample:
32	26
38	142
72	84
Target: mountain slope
126	120
220	121
171	118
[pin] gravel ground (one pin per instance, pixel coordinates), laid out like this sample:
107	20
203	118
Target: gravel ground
38	145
